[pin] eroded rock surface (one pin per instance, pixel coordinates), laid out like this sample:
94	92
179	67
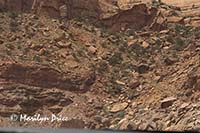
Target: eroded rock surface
42	76
107	12
148	64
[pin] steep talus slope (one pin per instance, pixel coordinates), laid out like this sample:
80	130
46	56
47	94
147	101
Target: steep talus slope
145	76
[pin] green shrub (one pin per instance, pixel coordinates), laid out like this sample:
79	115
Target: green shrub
113	89
102	67
25	51
10	46
131	94
115	59
75	56
179	43
8	51
197	35
13	26
170	39
37	58
13	15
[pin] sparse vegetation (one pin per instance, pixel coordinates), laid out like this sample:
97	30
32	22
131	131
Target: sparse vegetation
10	46
102	67
75	56
99	62
197	35
115	59
25	51
113	89
131	94
179	43
37	58
8	52
13	22
13	15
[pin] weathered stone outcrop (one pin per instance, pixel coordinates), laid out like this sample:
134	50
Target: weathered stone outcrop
42	76
16	5
136	18
112	13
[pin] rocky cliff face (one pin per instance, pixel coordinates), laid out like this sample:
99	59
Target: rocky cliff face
16	5
51	7
113	14
92	8
136	18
